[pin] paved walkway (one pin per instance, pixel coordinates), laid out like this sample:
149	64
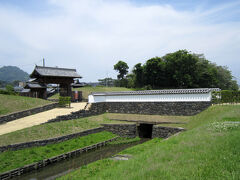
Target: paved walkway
38	118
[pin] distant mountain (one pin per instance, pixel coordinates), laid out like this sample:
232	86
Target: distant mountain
12	73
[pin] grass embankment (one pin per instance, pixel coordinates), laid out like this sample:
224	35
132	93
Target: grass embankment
88	90
124	140
15	159
208	150
51	130
11	103
149	118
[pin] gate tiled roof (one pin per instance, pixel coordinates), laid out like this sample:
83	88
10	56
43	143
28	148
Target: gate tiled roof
55	72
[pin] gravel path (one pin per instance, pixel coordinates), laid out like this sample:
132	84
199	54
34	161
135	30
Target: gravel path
39	118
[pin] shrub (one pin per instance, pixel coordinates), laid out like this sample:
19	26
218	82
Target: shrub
226	96
9	90
64	101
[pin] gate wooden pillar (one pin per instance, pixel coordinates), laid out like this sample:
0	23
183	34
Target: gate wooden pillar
65	89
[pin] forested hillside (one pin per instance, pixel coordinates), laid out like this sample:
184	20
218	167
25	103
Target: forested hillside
12	73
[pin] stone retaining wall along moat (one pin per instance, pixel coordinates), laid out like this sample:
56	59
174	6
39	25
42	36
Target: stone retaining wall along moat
123	130
132	130
165	132
21	114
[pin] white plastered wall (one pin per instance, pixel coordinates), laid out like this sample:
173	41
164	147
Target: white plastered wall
151	98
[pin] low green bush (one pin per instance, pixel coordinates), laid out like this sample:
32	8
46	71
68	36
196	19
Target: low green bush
226	96
8	91
64	101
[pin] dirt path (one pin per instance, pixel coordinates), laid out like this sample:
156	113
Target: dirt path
39	118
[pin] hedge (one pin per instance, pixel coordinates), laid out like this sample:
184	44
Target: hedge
226	96
64	101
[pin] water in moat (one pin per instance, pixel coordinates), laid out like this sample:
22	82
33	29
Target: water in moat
63	167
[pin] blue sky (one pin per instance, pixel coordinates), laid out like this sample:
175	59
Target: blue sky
92	35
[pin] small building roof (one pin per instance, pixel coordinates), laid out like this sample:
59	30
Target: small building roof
149	92
25	91
54	72
18	89
35	85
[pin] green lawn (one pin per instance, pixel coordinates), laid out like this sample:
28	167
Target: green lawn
51	130
11	103
149	118
208	150
15	159
88	90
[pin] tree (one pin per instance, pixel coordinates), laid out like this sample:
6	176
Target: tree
154	73
122	69
181	69
131	80
10	89
139	75
224	77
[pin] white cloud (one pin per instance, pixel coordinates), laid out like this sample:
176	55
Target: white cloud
93	35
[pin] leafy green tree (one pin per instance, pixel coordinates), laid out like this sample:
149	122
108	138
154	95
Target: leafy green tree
122	69
10	89
181	69
139	75
206	74
131	78
154	72
224	78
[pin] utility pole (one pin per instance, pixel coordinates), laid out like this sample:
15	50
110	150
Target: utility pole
43	62
107	80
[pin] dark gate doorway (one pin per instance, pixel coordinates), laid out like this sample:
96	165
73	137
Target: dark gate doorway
145	130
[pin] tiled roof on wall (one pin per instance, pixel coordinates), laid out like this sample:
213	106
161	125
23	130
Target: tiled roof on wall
167	91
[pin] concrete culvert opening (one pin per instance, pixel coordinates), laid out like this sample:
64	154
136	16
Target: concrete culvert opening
145	130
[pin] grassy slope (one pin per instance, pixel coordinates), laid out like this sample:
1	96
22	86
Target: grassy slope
208	150
14	159
10	103
88	90
148	118
51	130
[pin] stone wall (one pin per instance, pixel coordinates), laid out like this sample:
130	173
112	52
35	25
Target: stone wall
21	114
95	109
123	130
31	167
164	132
150	108
130	130
155	108
49	141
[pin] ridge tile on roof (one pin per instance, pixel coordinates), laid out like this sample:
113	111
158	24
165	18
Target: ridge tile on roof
147	92
54	71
